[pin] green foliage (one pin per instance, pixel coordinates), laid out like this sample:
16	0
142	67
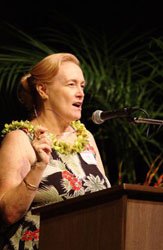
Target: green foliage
120	72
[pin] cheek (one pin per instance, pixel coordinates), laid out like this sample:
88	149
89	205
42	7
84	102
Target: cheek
66	96
61	96
60	99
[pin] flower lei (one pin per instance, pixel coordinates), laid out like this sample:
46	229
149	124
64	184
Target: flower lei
59	146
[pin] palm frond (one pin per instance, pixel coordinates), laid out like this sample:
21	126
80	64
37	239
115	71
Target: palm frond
118	73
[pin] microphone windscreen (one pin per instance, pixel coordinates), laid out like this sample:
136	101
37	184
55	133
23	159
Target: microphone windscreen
96	117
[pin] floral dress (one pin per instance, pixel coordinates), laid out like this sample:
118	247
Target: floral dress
65	177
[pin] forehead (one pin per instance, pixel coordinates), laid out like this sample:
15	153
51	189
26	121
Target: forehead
69	69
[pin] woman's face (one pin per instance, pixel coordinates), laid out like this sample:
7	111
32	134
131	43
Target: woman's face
66	93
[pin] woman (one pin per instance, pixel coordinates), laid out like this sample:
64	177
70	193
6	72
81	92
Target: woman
51	158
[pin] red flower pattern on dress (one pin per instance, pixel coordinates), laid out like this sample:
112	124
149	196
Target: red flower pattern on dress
76	184
74	181
67	175
29	235
36	234
26	130
90	148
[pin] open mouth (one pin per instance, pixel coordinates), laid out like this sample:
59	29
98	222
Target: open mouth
77	104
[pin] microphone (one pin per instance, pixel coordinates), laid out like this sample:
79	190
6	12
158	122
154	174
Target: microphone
99	116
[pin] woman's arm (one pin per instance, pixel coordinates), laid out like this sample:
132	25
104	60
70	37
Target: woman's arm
17	156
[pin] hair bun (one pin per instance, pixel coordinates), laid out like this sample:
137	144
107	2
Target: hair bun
24	82
24	92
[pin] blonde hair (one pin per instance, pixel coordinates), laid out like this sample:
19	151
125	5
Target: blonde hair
44	71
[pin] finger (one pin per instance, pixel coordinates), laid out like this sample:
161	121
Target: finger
43	155
44	139
39	131
42	144
42	152
45	150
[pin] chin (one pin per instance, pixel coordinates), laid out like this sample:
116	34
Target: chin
75	117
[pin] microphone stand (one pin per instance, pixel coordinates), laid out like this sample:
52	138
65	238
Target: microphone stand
147	121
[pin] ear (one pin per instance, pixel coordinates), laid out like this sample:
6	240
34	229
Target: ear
42	90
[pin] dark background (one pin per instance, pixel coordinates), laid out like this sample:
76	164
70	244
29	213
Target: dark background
113	16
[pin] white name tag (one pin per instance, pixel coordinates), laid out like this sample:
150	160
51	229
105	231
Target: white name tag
88	157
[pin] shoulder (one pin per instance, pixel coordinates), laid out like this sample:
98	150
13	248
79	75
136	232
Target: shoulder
16	148
94	148
17	129
15	142
92	142
15	153
15	136
90	136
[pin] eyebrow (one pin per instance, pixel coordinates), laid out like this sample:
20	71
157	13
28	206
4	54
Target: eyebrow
74	80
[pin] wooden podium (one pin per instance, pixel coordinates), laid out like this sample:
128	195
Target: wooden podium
126	217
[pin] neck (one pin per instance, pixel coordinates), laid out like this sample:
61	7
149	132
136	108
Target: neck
53	122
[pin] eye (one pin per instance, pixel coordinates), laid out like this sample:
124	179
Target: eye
71	84
82	85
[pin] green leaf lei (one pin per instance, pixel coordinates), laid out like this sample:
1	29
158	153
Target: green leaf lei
59	146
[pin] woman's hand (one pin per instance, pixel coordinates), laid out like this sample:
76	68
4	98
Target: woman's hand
42	145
